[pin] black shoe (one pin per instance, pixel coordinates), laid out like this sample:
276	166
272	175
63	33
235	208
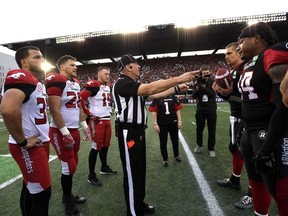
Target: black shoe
246	202
165	163
76	199
228	183
93	180
107	171
178	159
70	208
148	209
79	199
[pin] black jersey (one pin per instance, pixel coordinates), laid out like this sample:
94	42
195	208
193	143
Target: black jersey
256	86
236	105
166	109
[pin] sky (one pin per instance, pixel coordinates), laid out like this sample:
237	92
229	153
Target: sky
34	19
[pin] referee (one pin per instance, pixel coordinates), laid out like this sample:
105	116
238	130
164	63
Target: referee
129	98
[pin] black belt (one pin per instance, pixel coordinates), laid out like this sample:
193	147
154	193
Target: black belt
131	125
105	117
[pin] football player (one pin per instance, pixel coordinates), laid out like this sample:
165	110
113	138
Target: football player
98	93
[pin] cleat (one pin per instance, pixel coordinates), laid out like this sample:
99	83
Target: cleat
93	180
246	202
212	154
107	171
178	159
228	183
148	209
79	199
70	208
165	163
198	149
76	199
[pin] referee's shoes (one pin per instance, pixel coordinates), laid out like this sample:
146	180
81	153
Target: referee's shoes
148	209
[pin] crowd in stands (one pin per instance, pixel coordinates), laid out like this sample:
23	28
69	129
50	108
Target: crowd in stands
158	68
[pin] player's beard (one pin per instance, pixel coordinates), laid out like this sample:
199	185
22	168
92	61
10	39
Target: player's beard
37	71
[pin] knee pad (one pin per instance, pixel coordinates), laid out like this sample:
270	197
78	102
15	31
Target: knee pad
68	167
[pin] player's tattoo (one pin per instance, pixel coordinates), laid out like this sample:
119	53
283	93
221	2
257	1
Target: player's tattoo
277	72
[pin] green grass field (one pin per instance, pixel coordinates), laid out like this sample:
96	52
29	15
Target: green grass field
180	189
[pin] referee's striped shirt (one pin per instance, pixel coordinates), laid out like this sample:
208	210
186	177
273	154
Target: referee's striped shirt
129	107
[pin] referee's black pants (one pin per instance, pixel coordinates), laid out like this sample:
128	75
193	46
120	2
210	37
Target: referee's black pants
132	146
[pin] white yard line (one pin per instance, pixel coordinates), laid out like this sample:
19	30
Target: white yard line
5	184
210	199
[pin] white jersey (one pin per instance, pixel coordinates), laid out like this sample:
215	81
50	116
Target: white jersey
100	99
33	109
68	90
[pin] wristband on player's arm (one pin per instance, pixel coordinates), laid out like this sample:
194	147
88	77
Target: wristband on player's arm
64	131
84	124
23	144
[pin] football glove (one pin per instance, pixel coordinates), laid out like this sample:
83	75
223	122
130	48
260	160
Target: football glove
86	133
95	119
265	163
68	142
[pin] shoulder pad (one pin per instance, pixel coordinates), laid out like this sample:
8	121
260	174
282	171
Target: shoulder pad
20	76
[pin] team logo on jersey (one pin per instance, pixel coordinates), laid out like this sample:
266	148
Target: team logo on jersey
89	82
16	75
50	77
262	135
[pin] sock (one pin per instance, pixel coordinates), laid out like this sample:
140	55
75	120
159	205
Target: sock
25	200
92	160
103	156
40	203
235	179
261	197
66	182
237	163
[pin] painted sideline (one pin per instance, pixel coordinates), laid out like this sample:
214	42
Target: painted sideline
210	199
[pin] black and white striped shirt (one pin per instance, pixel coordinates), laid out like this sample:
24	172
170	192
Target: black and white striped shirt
129	107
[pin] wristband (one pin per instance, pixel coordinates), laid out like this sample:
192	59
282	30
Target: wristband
84	124
64	131
176	89
23	144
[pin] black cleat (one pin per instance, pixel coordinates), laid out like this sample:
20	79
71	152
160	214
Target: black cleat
165	163
246	202
148	209
178	159
227	183
76	199
107	171
70	208
93	180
